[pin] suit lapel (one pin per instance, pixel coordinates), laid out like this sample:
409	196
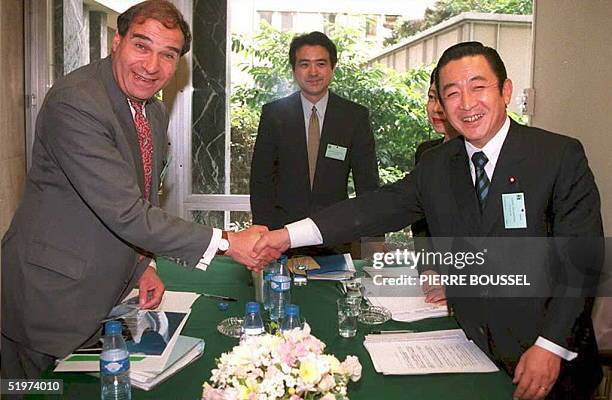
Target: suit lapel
463	189
332	126
508	165
124	115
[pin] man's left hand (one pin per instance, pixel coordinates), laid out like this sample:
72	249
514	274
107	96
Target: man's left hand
536	373
151	289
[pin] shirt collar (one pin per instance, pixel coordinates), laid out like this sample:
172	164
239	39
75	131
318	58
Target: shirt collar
493	146
321	104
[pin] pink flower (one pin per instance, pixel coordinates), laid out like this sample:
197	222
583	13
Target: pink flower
286	353
210	393
295	397
313	344
327	383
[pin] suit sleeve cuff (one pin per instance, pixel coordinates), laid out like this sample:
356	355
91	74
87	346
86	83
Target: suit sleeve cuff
210	252
304	233
556	349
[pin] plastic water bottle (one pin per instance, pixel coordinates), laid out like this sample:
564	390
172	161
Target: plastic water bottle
280	290
252	324
292	318
114	365
270	270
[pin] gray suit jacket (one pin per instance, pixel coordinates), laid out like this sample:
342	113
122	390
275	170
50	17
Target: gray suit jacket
72	250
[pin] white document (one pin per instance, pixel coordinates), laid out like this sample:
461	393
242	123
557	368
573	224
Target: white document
173	302
426	353
186	350
408	302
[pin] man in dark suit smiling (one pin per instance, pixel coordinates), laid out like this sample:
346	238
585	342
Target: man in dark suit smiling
508	184
309	142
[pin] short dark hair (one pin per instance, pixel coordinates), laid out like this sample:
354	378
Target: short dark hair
159	10
434	77
471	49
313	39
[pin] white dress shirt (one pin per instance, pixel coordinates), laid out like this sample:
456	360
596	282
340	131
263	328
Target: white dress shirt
306	233
213	246
491	150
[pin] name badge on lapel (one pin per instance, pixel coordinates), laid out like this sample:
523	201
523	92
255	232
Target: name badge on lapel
515	215
336	152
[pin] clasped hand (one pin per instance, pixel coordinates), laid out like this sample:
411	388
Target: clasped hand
256	246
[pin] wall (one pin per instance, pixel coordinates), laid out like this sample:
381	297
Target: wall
572	77
12	118
511	38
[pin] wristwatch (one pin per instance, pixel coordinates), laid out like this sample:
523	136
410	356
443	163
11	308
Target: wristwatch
223	244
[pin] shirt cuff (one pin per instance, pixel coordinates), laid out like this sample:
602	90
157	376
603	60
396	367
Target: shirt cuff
210	252
153	264
304	233
556	349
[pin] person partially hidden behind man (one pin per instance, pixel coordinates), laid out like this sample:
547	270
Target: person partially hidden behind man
309	142
509	183
438	121
89	222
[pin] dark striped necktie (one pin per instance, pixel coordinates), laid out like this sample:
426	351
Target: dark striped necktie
482	180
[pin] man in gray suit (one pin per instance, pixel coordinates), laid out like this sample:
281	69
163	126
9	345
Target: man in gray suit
89	223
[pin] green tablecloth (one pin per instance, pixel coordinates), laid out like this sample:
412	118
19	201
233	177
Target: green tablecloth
317	306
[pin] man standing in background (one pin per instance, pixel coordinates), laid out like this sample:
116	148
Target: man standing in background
309	142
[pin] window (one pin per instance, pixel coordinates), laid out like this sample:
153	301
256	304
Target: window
371	25
286	21
265	16
329	21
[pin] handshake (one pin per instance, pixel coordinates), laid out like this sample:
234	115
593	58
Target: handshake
257	246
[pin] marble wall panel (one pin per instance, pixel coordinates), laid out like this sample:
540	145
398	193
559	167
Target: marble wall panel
76	52
98	40
209	96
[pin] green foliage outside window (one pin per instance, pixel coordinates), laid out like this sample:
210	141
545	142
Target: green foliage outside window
396	101
446	9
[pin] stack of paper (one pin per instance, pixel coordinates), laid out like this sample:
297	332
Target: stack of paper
407	302
435	352
334	267
409	309
152	340
186	350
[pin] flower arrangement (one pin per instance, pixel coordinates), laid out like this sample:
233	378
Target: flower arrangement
290	366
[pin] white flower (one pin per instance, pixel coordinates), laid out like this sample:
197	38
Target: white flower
352	367
270	367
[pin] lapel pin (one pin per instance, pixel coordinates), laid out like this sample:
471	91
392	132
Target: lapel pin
512	179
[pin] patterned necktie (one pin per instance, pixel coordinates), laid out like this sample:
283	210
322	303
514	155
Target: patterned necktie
145	140
313	143
482	180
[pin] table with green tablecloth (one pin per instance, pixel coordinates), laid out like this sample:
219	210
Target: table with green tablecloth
317	306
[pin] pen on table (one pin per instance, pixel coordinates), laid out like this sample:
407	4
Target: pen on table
397	331
218	297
